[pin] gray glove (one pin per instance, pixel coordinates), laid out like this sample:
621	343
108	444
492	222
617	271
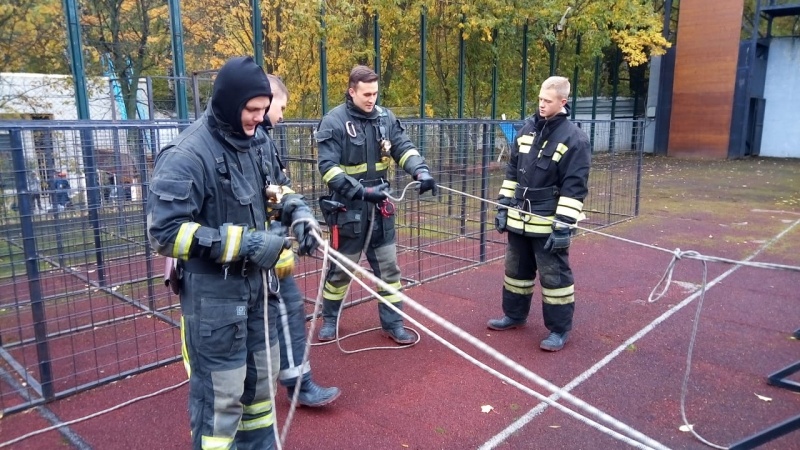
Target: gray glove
304	224
297	212
262	248
559	239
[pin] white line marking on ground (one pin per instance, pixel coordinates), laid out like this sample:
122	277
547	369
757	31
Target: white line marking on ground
500	437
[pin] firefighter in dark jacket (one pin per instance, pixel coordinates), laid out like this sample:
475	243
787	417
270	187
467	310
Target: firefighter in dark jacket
357	141
288	310
547	175
207	208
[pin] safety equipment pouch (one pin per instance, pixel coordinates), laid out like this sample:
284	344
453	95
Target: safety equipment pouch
172	275
330	212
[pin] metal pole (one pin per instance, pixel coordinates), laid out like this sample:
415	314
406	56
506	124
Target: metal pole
323	61
484	191
258	33
376	44
76	58
178	65
32	266
594	97
524	90
575	78
423	21
461	64
493	113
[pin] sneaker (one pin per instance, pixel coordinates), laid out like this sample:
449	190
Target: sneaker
327	331
504	323
555	341
400	335
313	395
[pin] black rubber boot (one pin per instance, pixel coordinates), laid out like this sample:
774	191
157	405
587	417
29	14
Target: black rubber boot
313	395
330	312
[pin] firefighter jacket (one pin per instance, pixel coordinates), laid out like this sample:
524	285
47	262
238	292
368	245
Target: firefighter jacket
547	175
356	148
206	180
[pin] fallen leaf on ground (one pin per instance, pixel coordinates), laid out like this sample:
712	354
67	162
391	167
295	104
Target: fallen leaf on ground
686	428
761	397
487	408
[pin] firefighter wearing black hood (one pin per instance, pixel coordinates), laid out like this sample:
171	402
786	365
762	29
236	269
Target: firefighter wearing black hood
357	141
547	175
207	207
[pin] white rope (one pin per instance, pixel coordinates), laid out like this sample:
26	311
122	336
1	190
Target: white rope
91	416
339	259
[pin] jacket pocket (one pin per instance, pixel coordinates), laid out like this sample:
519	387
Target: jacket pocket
355	152
169	190
383	230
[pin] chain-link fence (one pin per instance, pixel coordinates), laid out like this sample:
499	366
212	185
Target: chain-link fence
82	300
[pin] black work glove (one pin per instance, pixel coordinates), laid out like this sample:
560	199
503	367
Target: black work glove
304	223
375	194
426	183
501	219
262	248
559	239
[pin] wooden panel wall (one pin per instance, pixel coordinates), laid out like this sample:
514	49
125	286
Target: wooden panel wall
705	75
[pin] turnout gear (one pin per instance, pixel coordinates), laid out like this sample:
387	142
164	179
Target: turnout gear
206	207
547	176
354	165
504	323
290	316
426	183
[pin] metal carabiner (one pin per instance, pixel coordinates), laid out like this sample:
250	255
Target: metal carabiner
350	128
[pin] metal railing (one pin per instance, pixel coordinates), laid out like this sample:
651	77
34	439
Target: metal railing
82	300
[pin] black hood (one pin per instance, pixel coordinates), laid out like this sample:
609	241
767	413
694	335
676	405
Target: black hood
237	82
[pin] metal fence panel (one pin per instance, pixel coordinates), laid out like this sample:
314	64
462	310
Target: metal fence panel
81	296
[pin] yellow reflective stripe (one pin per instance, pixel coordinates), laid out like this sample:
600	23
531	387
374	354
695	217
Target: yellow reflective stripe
286	190
183	242
525	139
362	168
286	258
350	170
524	148
532	224
408	154
184	350
257	408
393	298
530	218
516	286
507	188
332	172
215	443
232	244
561	148
569	207
559	296
331	292
259	422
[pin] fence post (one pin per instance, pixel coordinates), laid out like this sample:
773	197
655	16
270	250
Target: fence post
487	148
32	266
